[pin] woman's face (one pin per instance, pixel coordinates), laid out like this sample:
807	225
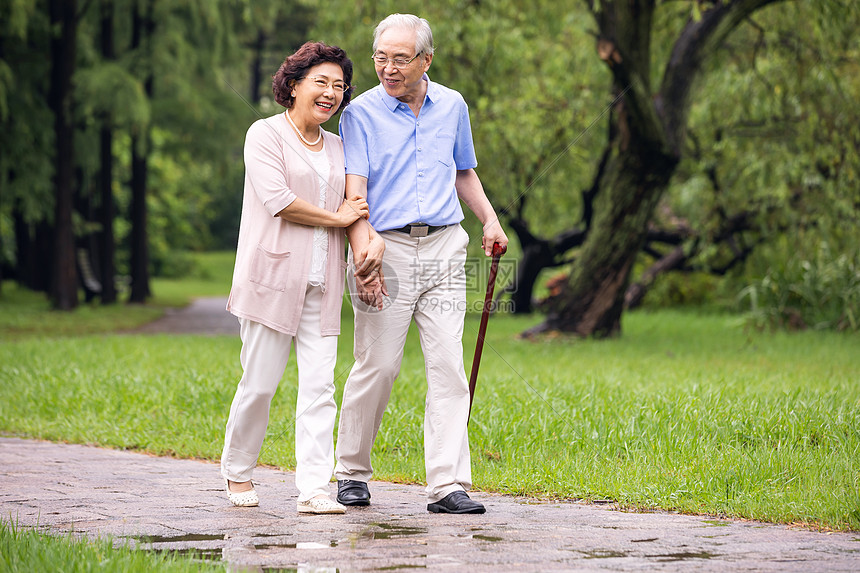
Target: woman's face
317	95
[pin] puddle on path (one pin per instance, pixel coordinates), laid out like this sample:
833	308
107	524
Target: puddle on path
208	554
490	538
603	554
479	537
683	556
716	523
193	553
390	531
301	569
298	545
178	538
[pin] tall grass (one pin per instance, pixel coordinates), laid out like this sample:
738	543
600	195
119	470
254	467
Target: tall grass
822	292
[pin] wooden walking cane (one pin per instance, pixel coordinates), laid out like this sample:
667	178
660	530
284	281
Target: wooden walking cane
498	251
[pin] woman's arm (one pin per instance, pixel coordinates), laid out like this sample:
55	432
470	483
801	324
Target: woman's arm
304	213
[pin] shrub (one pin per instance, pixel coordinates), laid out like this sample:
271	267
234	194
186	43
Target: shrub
821	294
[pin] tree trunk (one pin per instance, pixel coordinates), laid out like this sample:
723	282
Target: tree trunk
538	254
257	67
142	28
592	301
532	262
33	250
64	284
139	239
107	211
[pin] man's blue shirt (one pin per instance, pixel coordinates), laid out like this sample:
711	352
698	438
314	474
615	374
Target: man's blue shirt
410	162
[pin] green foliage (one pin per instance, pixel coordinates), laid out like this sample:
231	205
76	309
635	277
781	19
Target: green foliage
820	293
694	289
197	120
111	88
774	134
528	73
25	550
26	138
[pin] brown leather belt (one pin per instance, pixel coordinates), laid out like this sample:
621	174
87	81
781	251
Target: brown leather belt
419	229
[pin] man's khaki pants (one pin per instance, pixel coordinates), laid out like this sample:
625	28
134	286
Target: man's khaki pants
426	281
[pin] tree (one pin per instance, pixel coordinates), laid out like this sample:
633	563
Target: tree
143	27
64	284
26	141
107	210
191	156
646	143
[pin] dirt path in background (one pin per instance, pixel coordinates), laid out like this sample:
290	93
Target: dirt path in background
202	316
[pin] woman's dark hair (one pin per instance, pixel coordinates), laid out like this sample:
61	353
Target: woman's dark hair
296	66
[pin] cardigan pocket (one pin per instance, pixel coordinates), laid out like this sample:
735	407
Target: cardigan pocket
270	270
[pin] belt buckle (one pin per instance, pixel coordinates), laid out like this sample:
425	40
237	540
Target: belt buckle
419	230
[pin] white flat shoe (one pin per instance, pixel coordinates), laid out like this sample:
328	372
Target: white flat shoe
242	498
320	505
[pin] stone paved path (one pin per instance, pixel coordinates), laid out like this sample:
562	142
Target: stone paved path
178	505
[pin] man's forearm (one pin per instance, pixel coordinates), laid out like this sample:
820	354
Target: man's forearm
470	190
359	236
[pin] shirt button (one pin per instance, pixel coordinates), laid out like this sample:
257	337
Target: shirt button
419	149
417	123
420	174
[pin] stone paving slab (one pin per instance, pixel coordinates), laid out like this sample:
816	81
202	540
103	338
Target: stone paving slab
166	504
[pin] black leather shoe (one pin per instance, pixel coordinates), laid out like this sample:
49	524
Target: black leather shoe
456	502
351	492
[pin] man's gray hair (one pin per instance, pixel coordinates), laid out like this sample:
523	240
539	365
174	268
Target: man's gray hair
423	35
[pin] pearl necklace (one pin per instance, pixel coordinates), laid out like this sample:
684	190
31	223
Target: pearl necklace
299	133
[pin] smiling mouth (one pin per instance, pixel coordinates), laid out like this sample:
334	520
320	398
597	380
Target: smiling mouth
324	105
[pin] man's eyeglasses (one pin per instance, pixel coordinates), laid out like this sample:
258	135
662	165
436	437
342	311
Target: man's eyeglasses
323	82
398	63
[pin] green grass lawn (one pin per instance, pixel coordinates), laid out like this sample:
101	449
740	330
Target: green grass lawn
686	411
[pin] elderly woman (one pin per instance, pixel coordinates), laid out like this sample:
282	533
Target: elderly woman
289	274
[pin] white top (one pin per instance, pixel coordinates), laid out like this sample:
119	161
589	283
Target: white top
319	162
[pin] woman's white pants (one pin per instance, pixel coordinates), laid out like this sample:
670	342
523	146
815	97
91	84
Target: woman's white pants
264	357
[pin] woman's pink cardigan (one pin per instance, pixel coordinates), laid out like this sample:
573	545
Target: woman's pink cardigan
273	256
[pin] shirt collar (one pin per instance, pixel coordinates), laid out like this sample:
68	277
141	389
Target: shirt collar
392	102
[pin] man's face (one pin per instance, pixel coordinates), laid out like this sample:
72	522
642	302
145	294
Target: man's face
403	83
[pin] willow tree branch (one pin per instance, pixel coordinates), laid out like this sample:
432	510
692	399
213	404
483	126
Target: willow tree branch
698	40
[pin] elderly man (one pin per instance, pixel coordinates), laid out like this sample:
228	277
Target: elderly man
409	151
